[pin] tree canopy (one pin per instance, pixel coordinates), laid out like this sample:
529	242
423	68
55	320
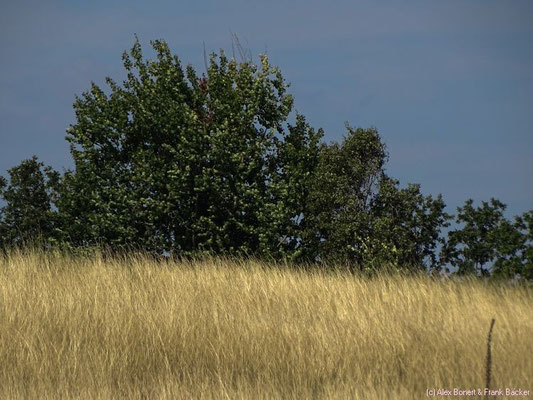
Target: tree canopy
175	162
172	161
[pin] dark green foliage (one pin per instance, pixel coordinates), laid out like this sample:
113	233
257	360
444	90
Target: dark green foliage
488	242
175	162
358	215
526	223
514	247
406	226
345	182
29	196
472	247
297	159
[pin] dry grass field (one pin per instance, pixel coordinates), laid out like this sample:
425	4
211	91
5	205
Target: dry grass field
91	328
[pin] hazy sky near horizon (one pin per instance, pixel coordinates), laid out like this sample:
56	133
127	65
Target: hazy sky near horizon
448	84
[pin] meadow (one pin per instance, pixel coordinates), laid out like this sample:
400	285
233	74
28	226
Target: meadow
133	328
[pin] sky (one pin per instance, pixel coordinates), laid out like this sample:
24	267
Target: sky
448	84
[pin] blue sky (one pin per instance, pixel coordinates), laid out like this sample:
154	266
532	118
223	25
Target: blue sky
448	84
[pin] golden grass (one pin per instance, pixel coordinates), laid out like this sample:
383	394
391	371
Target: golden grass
92	328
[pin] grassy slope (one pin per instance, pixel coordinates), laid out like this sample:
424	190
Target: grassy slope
74	328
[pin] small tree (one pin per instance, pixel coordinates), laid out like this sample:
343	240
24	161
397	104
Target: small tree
488	243
345	182
29	195
406	226
513	244
360	216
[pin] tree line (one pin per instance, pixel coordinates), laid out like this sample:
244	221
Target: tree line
173	162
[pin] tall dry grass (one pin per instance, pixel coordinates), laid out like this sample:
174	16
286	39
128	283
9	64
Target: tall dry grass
93	328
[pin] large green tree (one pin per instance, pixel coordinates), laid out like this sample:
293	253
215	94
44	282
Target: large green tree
173	161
